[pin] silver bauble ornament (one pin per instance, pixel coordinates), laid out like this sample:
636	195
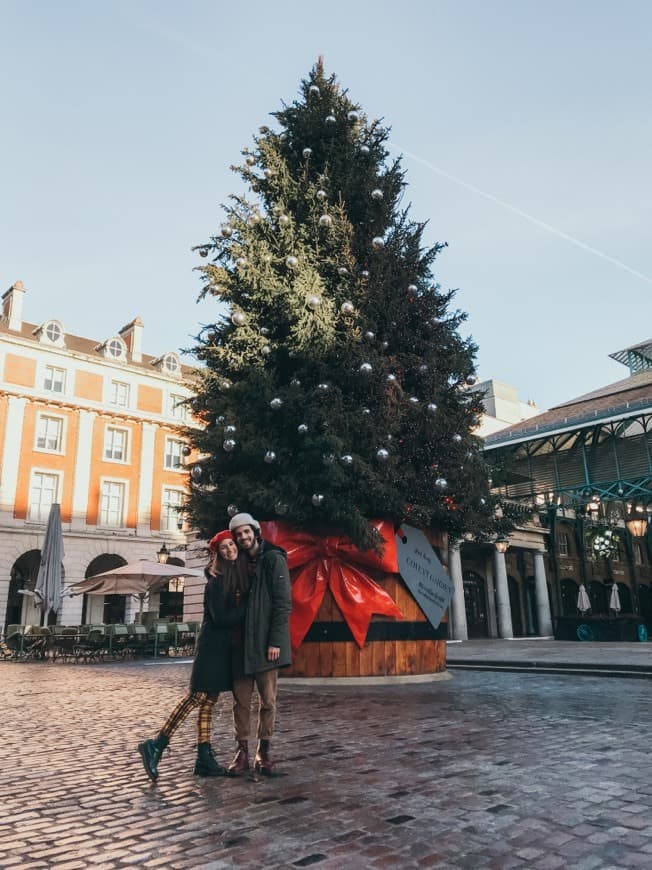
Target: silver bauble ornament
441	484
331	119
389	437
307	152
232	510
423	368
186	450
377	194
471	379
457	438
196	472
382	455
302	429
238	318
254	218
321	194
384	345
230	429
264	330
203	252
291	262
228	444
366	411
267	259
266	350
347	307
317	499
369	335
353	117
378	242
483	501
221	418
412	288
313	302
283	220
313	91
276	404
270	457
226	385
281	508
268	173
325	221
413	400
241	262
364	274
365	368
250	160
364	149
347	459
295	382
227	231
431	408
323	387
342	271
391	378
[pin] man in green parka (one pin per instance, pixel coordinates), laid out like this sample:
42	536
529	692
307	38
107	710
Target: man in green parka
264	645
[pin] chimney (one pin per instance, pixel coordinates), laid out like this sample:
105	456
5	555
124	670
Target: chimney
132	333
12	306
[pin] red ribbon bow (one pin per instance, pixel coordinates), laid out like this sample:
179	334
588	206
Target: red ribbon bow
329	562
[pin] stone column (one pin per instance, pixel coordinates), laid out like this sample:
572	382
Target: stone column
82	465
504	611
541	591
492	623
146	479
460	630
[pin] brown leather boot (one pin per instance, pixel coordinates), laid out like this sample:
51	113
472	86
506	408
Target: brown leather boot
263	763
240	763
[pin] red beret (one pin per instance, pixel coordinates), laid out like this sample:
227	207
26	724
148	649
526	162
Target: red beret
215	541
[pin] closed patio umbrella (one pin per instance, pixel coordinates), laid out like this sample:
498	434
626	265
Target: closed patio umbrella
583	600
49	581
614	599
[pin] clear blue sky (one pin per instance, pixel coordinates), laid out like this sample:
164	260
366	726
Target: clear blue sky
120	121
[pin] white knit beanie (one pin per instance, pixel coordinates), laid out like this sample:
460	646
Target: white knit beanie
243	520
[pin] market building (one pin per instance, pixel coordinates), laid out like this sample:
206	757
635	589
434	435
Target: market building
583	473
90	424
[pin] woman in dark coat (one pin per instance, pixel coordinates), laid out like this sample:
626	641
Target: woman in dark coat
224	611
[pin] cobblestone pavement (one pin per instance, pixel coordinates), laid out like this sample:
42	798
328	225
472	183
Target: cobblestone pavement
487	770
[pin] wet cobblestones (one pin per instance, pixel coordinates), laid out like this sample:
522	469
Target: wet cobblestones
488	770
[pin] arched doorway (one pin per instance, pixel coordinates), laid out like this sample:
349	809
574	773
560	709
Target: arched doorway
645	604
21	609
599	598
171	597
515	606
105	609
475	604
569	591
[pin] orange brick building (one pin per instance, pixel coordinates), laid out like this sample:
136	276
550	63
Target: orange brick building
92	425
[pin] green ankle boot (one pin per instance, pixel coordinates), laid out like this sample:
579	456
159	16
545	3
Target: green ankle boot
206	763
150	752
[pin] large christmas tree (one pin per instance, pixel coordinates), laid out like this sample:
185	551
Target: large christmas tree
336	382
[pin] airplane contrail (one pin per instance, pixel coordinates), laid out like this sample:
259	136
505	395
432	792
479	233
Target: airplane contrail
519	212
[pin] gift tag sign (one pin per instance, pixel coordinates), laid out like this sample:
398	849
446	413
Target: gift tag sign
423	573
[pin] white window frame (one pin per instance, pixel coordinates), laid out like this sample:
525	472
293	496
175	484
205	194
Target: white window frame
124	484
562	544
176	409
114	400
41	514
170	517
169	440
44	338
61	438
171	364
124	459
112	344
47	368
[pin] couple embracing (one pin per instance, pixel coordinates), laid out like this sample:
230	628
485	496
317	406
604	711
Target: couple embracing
243	642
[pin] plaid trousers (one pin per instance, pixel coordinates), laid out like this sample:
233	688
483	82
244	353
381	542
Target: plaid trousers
205	702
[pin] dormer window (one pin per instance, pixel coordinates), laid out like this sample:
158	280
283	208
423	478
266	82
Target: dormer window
50	332
114	348
168	364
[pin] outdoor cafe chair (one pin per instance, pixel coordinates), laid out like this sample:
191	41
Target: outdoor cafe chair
64	641
138	638
118	635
